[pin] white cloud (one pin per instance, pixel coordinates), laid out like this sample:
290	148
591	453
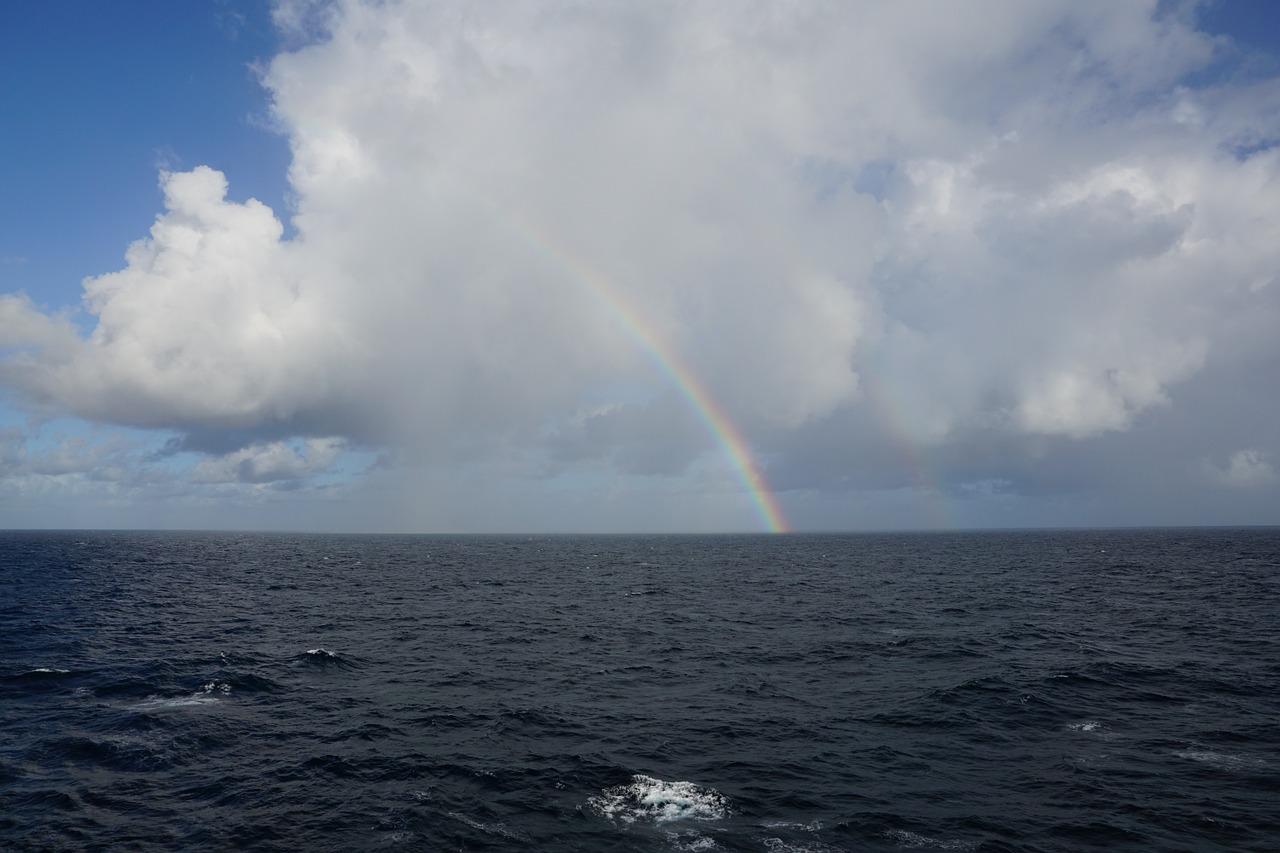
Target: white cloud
1019	218
47	461
1245	469
208	324
269	463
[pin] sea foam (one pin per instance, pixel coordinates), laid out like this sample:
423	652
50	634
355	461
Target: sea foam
649	799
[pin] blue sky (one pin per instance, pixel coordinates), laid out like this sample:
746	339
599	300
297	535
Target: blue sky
1012	264
98	98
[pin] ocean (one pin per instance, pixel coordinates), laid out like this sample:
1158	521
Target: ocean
993	691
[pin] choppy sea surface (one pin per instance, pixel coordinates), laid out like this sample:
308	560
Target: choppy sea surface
1021	691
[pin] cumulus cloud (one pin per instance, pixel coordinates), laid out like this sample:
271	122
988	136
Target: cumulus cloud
1004	223
207	324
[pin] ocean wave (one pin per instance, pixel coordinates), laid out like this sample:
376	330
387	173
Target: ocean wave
915	841
691	842
648	799
777	845
359	711
1086	726
811	826
37	675
247	683
1229	761
165	703
322	658
496	829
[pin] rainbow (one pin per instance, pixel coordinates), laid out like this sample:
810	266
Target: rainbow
668	362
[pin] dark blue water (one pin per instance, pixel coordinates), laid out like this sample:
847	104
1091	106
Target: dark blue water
994	691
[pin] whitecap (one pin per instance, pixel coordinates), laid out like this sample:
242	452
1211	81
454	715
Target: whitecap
1223	760
497	829
811	826
691	841
777	845
40	673
914	840
164	704
1085	726
323	658
650	799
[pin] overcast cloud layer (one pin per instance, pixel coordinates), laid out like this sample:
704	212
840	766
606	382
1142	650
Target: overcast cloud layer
1007	258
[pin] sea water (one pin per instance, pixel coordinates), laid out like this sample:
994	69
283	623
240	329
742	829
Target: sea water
1020	691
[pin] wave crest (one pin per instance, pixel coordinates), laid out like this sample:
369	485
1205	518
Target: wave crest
650	799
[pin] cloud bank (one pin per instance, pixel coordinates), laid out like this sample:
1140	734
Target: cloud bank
975	237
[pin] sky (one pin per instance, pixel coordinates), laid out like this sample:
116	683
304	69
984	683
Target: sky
414	266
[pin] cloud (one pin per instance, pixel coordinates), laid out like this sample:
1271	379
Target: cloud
206	325
41	460
1245	469
858	224
100	477
269	463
